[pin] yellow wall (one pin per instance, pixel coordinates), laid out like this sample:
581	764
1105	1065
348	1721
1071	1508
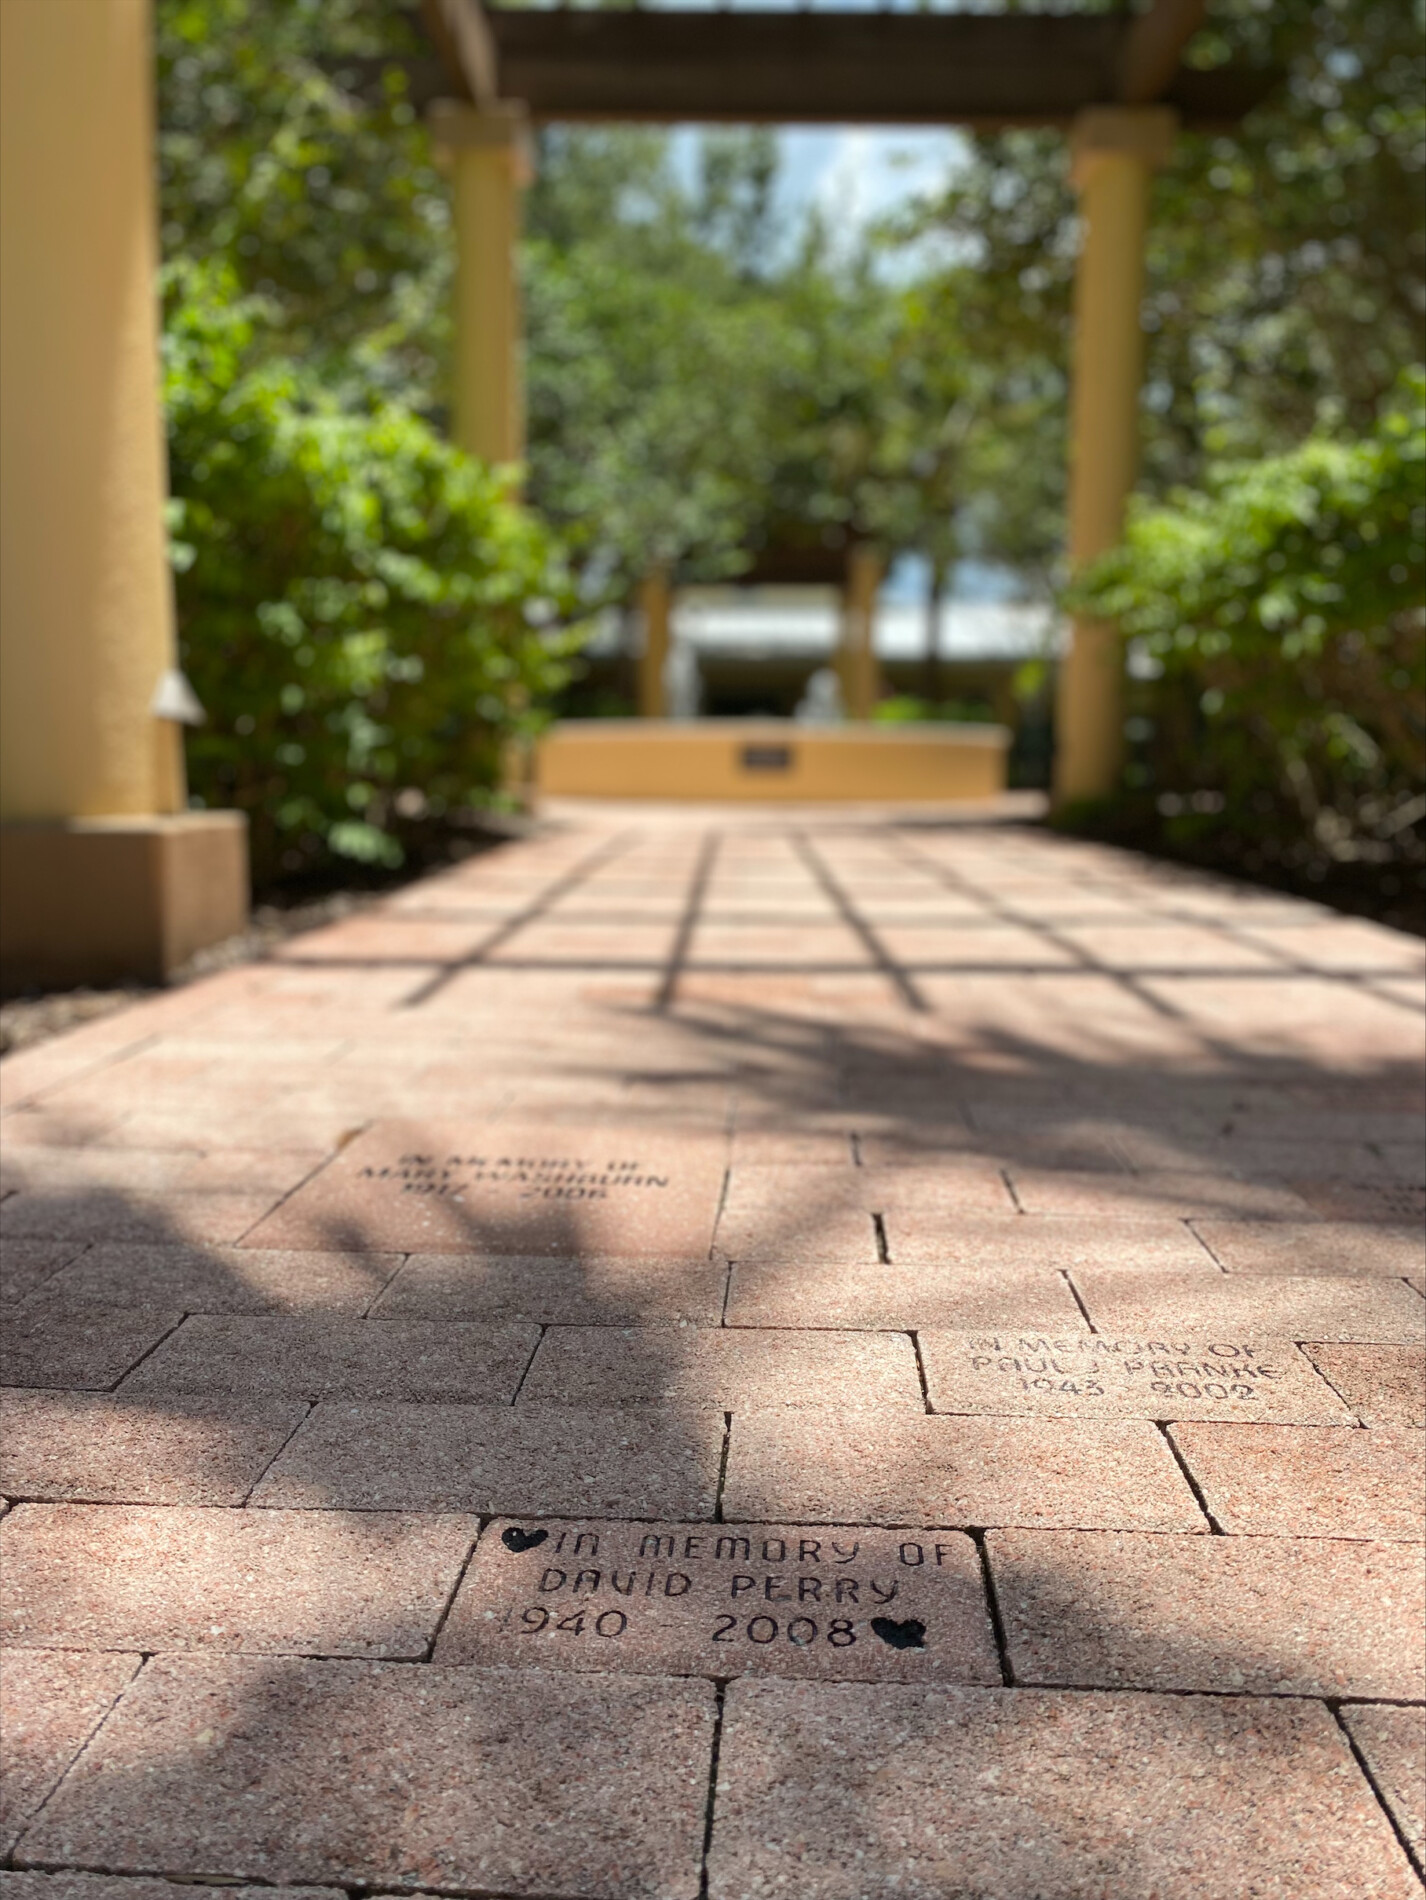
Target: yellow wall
616	758
86	627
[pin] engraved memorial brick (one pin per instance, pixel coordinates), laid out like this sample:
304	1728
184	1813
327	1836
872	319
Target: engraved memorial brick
1163	1374
841	1604
488	1188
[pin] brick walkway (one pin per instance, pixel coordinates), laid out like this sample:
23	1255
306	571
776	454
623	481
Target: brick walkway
729	1354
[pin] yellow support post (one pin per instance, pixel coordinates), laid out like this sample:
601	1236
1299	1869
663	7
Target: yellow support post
105	872
488	152
655	614
856	658
1115	150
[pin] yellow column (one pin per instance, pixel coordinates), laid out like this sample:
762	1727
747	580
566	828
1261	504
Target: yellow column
488	154
1114	152
655	612
85	604
91	772
856	658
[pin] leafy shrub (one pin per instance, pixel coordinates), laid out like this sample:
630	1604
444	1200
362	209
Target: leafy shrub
368	617
1279	621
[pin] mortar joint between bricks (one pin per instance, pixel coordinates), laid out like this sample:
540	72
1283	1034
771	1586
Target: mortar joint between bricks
148	1352
915	1338
720	1690
992	1604
1163	1427
1074	1295
723	1467
520	1382
310	1406
1334	1704
454	1592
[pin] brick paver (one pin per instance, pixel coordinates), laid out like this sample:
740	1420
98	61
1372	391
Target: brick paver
1284	1616
51	1702
1393	1742
901	1469
1282	1481
99	1448
499	1781
594	1291
976	1273
888	1294
1308	1306
723	1366
1324	1247
848	1790
74	1347
116	1576
338	1358
71	1886
638	1461
1384	1385
224	1279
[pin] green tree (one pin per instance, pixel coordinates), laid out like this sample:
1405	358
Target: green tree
650	354
317	196
1285	256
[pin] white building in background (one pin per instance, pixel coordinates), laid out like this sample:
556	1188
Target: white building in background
755	623
783	623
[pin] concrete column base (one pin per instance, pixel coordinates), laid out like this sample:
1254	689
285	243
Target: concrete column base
102	900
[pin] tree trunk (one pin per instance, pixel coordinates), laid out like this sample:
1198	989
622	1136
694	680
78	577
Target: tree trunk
931	663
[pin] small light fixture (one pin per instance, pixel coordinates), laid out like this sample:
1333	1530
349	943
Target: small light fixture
175	699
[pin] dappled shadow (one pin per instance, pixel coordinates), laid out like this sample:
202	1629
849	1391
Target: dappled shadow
228	1310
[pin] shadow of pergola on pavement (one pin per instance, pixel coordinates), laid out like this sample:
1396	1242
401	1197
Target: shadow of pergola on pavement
675	1178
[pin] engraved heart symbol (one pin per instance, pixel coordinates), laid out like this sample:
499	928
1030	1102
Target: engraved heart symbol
517	1540
907	1635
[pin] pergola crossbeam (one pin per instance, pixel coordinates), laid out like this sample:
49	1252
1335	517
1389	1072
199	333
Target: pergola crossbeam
980	70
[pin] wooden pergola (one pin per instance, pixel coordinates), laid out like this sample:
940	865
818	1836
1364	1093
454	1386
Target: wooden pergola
984	70
106	870
1116	82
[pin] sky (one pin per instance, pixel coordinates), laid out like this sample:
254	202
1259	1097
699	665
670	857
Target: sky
854	174
858	173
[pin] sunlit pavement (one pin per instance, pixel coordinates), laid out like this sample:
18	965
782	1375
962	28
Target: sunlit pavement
730	1352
